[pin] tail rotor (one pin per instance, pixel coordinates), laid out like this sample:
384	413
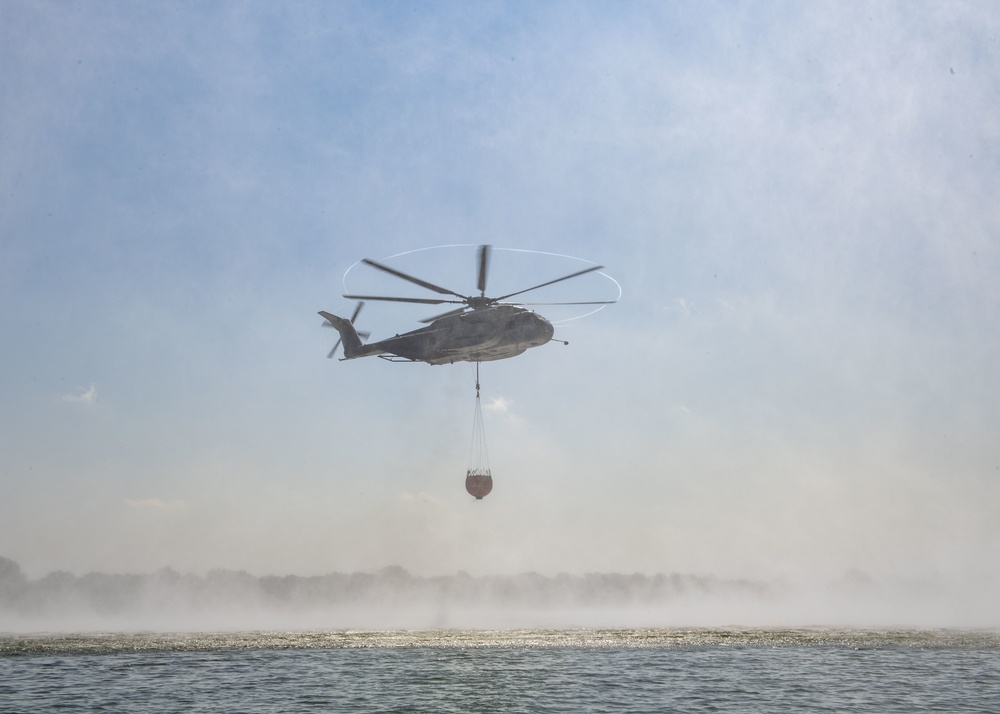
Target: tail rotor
364	335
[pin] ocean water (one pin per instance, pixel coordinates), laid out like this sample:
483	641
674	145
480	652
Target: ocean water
634	670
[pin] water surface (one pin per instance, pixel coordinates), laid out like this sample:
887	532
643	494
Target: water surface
632	670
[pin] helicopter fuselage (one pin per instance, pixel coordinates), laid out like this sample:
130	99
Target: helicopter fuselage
480	335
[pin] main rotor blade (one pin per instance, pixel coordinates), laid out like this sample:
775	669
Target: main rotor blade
595	302
422	301
444	314
484	266
416	281
551	282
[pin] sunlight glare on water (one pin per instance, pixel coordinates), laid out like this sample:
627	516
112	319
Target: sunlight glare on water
526	670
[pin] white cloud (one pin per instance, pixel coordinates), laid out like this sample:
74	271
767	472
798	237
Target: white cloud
82	396
681	306
498	405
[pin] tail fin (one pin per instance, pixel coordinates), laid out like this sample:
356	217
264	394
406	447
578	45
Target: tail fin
348	335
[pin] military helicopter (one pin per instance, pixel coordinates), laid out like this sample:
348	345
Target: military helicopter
483	329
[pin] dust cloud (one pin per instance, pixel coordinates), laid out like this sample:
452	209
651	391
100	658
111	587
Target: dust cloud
392	598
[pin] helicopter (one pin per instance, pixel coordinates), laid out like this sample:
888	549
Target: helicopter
483	329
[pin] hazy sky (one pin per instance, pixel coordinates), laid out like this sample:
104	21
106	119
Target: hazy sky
799	200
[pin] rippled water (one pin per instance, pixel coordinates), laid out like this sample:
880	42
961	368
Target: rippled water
519	671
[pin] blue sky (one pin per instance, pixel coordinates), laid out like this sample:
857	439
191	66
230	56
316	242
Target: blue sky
799	202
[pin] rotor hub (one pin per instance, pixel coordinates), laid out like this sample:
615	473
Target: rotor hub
478	303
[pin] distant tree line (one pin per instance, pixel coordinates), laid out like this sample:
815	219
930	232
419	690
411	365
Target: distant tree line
168	590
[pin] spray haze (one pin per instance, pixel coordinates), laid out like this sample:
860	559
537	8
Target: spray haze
392	598
796	390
